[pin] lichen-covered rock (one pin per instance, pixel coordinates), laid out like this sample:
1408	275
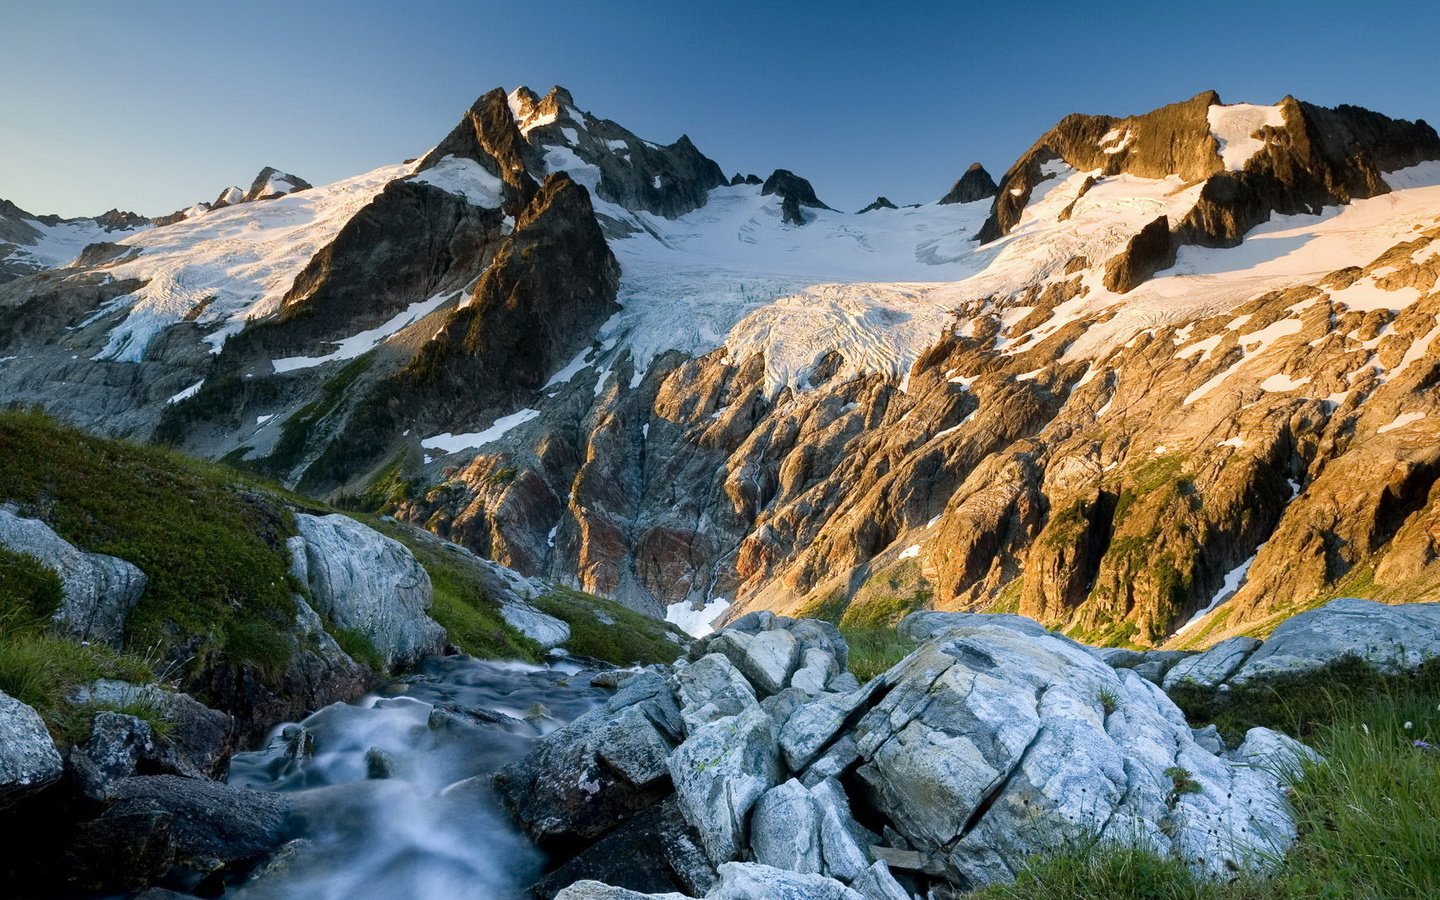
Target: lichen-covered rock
28	758
367	582
711	688
752	881
993	744
199	740
1213	666
98	590
1390	638
719	772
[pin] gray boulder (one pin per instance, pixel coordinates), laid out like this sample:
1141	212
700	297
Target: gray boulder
752	881
116	746
993	744
785	829
711	688
598	771
766	659
1213	666
719	772
595	890
876	883
1390	638
28	758
98	590
542	628
364	581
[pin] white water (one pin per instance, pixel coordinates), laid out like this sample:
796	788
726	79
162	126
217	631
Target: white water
433	829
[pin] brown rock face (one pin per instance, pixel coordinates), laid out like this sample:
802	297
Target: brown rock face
975	184
1148	252
487	134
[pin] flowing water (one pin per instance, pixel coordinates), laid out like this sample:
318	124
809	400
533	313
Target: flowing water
392	788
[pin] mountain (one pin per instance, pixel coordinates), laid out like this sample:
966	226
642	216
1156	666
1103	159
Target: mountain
1170	380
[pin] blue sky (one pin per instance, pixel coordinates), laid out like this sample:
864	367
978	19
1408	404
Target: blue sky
152	106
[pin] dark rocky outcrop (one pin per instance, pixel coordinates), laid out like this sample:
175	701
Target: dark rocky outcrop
739	179
795	193
271	183
975	184
1148	252
488	135
879	203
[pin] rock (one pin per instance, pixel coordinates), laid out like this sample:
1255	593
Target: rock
116	745
1209	738
878	203
1390	638
765	659
1149	251
812	727
367	582
993	744
1213	666
795	192
98	590
842	840
543	629
379	764
975	184
842	756
271	183
752	881
926	624
595	890
200	739
163	824
719	772
583	780
657	850
28	758
876	883
711	688
785	829
1272	751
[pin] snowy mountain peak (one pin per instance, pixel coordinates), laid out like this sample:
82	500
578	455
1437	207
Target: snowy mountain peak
272	183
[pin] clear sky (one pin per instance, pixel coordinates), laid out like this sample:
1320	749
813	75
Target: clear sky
151	106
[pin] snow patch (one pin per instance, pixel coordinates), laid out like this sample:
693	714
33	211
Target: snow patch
365	341
696	622
1400	421
1234	127
454	443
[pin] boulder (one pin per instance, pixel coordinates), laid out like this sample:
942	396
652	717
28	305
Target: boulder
116	745
719	772
766	659
711	688
876	883
1213	666
993	743
598	771
1390	638
542	628
657	851
28	758
752	881
199	740
785	829
98	590
812	727
163	825
364	581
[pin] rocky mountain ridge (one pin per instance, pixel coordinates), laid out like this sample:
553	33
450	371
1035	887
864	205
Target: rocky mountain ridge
1134	384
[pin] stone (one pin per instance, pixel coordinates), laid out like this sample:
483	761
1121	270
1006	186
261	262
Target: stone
199	740
752	881
811	728
98	591
543	629
876	883
1208	669
719	772
816	669
163	825
576	784
657	851
116	745
765	659
595	890
711	688
785	829
1390	638
992	744
29	761
840	758
379	764
842	840
367	582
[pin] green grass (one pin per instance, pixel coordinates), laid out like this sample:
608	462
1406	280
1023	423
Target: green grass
211	544
875	649
627	638
28	590
42	669
1368	814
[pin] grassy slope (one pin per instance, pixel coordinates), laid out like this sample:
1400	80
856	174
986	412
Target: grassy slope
604	629
1368	815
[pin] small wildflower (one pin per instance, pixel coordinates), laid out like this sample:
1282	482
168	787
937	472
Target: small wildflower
1409	725
1365	728
1424	745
